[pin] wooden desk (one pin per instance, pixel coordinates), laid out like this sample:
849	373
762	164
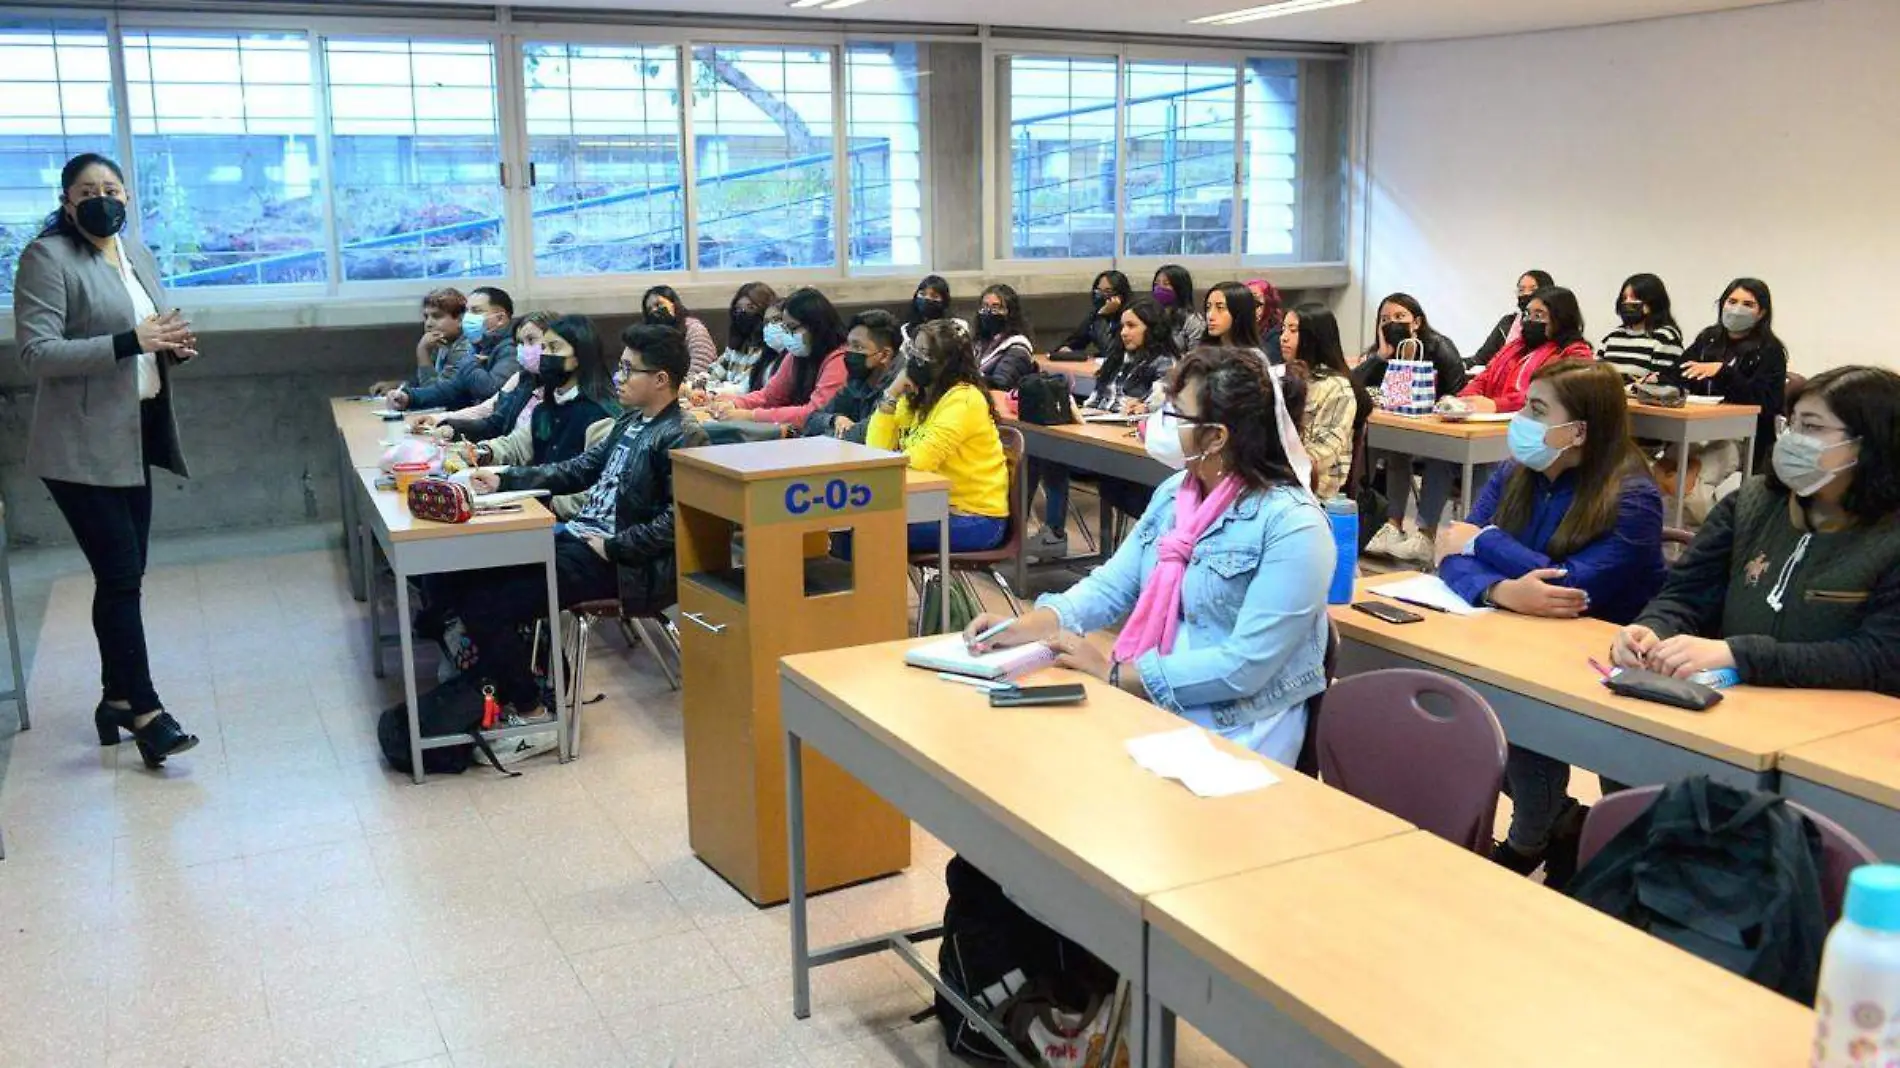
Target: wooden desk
927	500
1466	444
1412	952
1693	424
1535	674
1853	778
1046	801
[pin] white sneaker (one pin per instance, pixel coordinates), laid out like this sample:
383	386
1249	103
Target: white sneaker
1048	546
1414	548
1385	542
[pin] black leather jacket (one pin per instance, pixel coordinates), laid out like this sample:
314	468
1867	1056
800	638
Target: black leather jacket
642	545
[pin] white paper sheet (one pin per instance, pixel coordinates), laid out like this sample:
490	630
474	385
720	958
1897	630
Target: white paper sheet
1428	589
1189	756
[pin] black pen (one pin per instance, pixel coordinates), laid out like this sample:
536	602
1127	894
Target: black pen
1414	604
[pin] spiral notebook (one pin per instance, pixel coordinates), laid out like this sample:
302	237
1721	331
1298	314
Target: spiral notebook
953	656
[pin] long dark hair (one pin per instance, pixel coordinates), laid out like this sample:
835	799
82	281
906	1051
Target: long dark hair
1591	392
1117	284
1755	287
672	295
1237	394
1182	283
945	344
1425	333
1319	345
1244	309
762	297
1542	278
592	369
1013	320
1867	402
812	310
1566	316
1650	290
1160	337
61	223
929	281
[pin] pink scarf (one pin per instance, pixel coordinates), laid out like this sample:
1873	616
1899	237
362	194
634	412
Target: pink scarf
1157	613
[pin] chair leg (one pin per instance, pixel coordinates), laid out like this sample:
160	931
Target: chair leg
13	634
639	627
923	599
1009	595
1088	536
583	632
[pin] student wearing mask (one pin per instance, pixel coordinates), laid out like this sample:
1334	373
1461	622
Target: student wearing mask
1107	296
1232	319
1173	289
1402	317
575	406
745	342
1647	343
930	303
662	306
1795	579
813	339
1741	360
1004	352
937	412
1309	343
507	409
774	337
488	365
870	358
442	348
1221	588
620	544
1512	324
1571	526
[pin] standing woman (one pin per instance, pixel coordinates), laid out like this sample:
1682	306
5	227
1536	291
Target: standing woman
86	319
1741	360
1173	289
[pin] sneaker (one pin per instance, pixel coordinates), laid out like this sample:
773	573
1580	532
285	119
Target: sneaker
1505	855
1414	547
1048	546
1385	542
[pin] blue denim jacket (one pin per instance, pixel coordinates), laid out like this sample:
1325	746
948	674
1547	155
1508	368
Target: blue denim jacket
1253	606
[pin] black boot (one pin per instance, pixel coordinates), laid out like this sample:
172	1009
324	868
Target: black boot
1560	865
1506	854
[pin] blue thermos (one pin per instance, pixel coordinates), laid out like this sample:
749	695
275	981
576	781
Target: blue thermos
1343	513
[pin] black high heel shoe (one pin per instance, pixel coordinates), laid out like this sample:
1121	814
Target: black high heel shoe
160	738
110	721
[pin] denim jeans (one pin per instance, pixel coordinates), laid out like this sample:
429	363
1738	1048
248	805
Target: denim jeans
968	534
1054	480
1538	787
113	525
1435	488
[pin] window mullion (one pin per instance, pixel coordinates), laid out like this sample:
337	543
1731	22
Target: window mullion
518	191
1121	157
840	162
326	165
689	160
122	117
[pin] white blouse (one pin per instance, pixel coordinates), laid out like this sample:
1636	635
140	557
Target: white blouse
142	309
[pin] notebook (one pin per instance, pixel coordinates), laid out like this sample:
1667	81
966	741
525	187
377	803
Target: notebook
1111	417
496	500
953	656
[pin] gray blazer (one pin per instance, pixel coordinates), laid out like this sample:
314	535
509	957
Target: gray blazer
68	305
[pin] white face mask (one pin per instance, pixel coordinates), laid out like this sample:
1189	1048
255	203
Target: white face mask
1162	436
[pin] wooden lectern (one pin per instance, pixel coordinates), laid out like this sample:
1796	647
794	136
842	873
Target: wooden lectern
758	582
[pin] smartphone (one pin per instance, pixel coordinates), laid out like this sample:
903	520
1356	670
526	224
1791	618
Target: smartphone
1391	613
1071	694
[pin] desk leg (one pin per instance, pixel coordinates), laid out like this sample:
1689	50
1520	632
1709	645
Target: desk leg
564	729
795	856
1748	456
943	569
408	670
370	574
346	504
1682	479
1465	502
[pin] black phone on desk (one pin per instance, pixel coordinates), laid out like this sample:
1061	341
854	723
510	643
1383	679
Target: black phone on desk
1020	696
1390	613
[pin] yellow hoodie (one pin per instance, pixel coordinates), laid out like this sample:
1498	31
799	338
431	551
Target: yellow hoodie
958	441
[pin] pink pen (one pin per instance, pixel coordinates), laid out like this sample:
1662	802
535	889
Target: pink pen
1600	669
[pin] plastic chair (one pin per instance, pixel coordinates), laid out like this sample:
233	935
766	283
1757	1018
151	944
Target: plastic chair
1841	852
989	561
636	630
1307	763
1381	744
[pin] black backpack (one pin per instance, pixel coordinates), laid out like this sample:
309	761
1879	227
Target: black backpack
1043	399
1730	875
455	707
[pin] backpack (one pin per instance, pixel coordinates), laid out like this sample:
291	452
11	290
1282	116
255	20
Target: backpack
1044	399
455	707
1728	874
963	608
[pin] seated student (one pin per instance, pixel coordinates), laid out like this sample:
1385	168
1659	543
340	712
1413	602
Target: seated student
1004	353
1401	317
1795	580
1572	526
1647	344
442	346
1222	586
480	372
745	342
930	303
774	337
575	409
1741	360
1309	343
1233	321
1173	289
1512	324
507	409
662	306
1266	298
870	358
1108	295
620	544
938	413
811	374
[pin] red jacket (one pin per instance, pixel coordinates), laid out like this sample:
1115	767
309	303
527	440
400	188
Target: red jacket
776	402
1508	376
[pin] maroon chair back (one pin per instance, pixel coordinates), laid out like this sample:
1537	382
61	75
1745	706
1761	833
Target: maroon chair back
1841	852
1439	767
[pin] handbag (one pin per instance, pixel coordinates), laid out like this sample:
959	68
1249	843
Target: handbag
1044	399
441	501
1659	396
1410	386
1663	689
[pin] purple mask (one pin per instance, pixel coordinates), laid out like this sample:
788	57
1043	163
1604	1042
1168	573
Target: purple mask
531	358
1163	296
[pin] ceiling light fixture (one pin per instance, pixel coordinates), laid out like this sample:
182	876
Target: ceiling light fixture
1268	11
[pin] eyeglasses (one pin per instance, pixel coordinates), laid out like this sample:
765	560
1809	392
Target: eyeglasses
1810	427
1169	410
627	370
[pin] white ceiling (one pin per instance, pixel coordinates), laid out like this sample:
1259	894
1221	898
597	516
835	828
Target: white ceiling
1369	20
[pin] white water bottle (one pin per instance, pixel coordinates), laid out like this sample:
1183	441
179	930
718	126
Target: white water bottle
1857	1006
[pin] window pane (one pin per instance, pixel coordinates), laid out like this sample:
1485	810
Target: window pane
1180	170
604	134
55	102
230	190
416	153
1272	120
1061	157
886	155
763	141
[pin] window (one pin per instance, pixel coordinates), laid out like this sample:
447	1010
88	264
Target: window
1061	156
763	151
416	157
1179	170
55	102
224	138
604	152
1271	175
885	157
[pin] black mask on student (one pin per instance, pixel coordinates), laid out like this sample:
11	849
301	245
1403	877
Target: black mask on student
1100	299
100	216
1395	332
1536	335
553	374
746	324
659	316
1524	302
928	308
857	364
921	375
989	323
1631	312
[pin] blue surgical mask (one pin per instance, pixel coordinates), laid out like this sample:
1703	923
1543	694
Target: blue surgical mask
776	337
472	327
1527	443
796	346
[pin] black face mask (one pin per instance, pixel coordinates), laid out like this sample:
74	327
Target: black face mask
1536	335
1101	300
746	324
553	373
1523	303
1631	312
661	317
921	375
100	216
1395	332
857	364
989	323
927	308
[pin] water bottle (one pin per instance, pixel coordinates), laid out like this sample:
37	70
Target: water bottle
1343	514
1859	993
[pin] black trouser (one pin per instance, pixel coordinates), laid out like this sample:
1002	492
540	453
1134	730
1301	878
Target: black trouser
494	603
113	525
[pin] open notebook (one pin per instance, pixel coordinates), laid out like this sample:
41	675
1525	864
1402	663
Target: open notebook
953	656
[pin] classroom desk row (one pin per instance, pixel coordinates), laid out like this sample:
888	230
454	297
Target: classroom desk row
1291	925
